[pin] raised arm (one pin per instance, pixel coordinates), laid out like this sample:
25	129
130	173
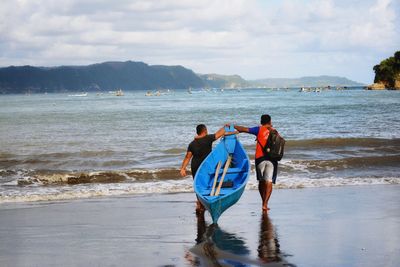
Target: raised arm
219	133
231	133
185	162
241	129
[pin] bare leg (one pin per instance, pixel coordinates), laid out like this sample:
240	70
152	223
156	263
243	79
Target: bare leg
262	188
199	207
268	194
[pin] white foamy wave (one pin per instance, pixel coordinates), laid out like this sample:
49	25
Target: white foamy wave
170	186
298	183
98	190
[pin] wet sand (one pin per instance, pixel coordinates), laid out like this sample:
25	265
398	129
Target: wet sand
337	226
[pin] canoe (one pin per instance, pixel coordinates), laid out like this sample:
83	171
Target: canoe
235	178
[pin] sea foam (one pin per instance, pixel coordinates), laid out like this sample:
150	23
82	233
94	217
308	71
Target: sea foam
171	186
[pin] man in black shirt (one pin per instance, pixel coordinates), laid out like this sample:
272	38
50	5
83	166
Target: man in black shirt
198	150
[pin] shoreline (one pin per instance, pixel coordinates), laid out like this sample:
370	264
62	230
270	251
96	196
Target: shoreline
335	226
174	186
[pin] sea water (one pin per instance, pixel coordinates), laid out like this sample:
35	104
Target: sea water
57	146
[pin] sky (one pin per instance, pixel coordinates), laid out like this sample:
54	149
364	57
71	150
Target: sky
252	38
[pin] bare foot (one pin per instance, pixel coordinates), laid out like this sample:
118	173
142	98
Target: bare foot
265	209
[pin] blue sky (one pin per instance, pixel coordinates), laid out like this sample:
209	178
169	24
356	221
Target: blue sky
255	39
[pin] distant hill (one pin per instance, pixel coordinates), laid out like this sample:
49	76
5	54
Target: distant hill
132	75
306	81
224	81
127	75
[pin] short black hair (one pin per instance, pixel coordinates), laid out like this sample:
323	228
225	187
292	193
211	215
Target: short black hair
265	119
200	128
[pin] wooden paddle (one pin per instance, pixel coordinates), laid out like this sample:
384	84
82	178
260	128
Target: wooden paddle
215	178
228	162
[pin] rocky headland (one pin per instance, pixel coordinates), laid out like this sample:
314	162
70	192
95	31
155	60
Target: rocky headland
387	74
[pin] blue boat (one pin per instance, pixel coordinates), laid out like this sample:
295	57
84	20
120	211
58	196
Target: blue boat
222	177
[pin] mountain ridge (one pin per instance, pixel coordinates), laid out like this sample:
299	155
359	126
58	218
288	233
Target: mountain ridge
307	81
136	75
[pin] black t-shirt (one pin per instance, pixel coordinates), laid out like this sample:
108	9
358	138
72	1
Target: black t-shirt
200	148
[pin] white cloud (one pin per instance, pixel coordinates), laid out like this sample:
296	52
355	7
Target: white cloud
254	38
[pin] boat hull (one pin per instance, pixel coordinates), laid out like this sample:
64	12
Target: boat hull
236	176
216	208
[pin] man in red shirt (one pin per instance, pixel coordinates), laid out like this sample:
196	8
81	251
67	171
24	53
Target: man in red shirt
266	169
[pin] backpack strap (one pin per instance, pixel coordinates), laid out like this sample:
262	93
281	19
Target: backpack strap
262	147
270	129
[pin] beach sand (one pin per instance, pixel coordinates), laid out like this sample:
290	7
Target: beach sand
336	226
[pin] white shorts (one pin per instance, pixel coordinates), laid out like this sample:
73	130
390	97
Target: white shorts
265	170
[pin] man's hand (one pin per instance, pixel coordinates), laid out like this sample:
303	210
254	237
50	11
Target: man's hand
185	163
241	129
183	172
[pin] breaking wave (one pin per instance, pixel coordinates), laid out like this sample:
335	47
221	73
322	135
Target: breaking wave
343	142
24	177
172	186
308	163
357	163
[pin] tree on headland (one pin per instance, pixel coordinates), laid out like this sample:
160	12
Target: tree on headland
388	72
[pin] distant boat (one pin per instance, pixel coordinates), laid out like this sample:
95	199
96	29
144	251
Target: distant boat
119	92
158	92
229	162
80	95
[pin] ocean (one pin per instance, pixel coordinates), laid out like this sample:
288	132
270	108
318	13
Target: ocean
57	146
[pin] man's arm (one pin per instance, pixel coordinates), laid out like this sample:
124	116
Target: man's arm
241	129
223	132
185	162
231	133
219	133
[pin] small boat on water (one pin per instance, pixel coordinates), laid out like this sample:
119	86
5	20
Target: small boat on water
119	92
79	95
222	177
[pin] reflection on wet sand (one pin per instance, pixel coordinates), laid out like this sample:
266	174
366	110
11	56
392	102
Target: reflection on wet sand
216	247
269	248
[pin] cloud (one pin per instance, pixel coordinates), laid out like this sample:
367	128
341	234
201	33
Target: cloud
254	38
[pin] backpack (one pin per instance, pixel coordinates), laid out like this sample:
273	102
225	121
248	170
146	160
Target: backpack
274	147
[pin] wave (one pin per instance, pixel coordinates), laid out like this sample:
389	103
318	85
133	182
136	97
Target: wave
312	167
175	186
321	143
44	177
174	151
360	163
64	155
343	142
382	145
112	160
